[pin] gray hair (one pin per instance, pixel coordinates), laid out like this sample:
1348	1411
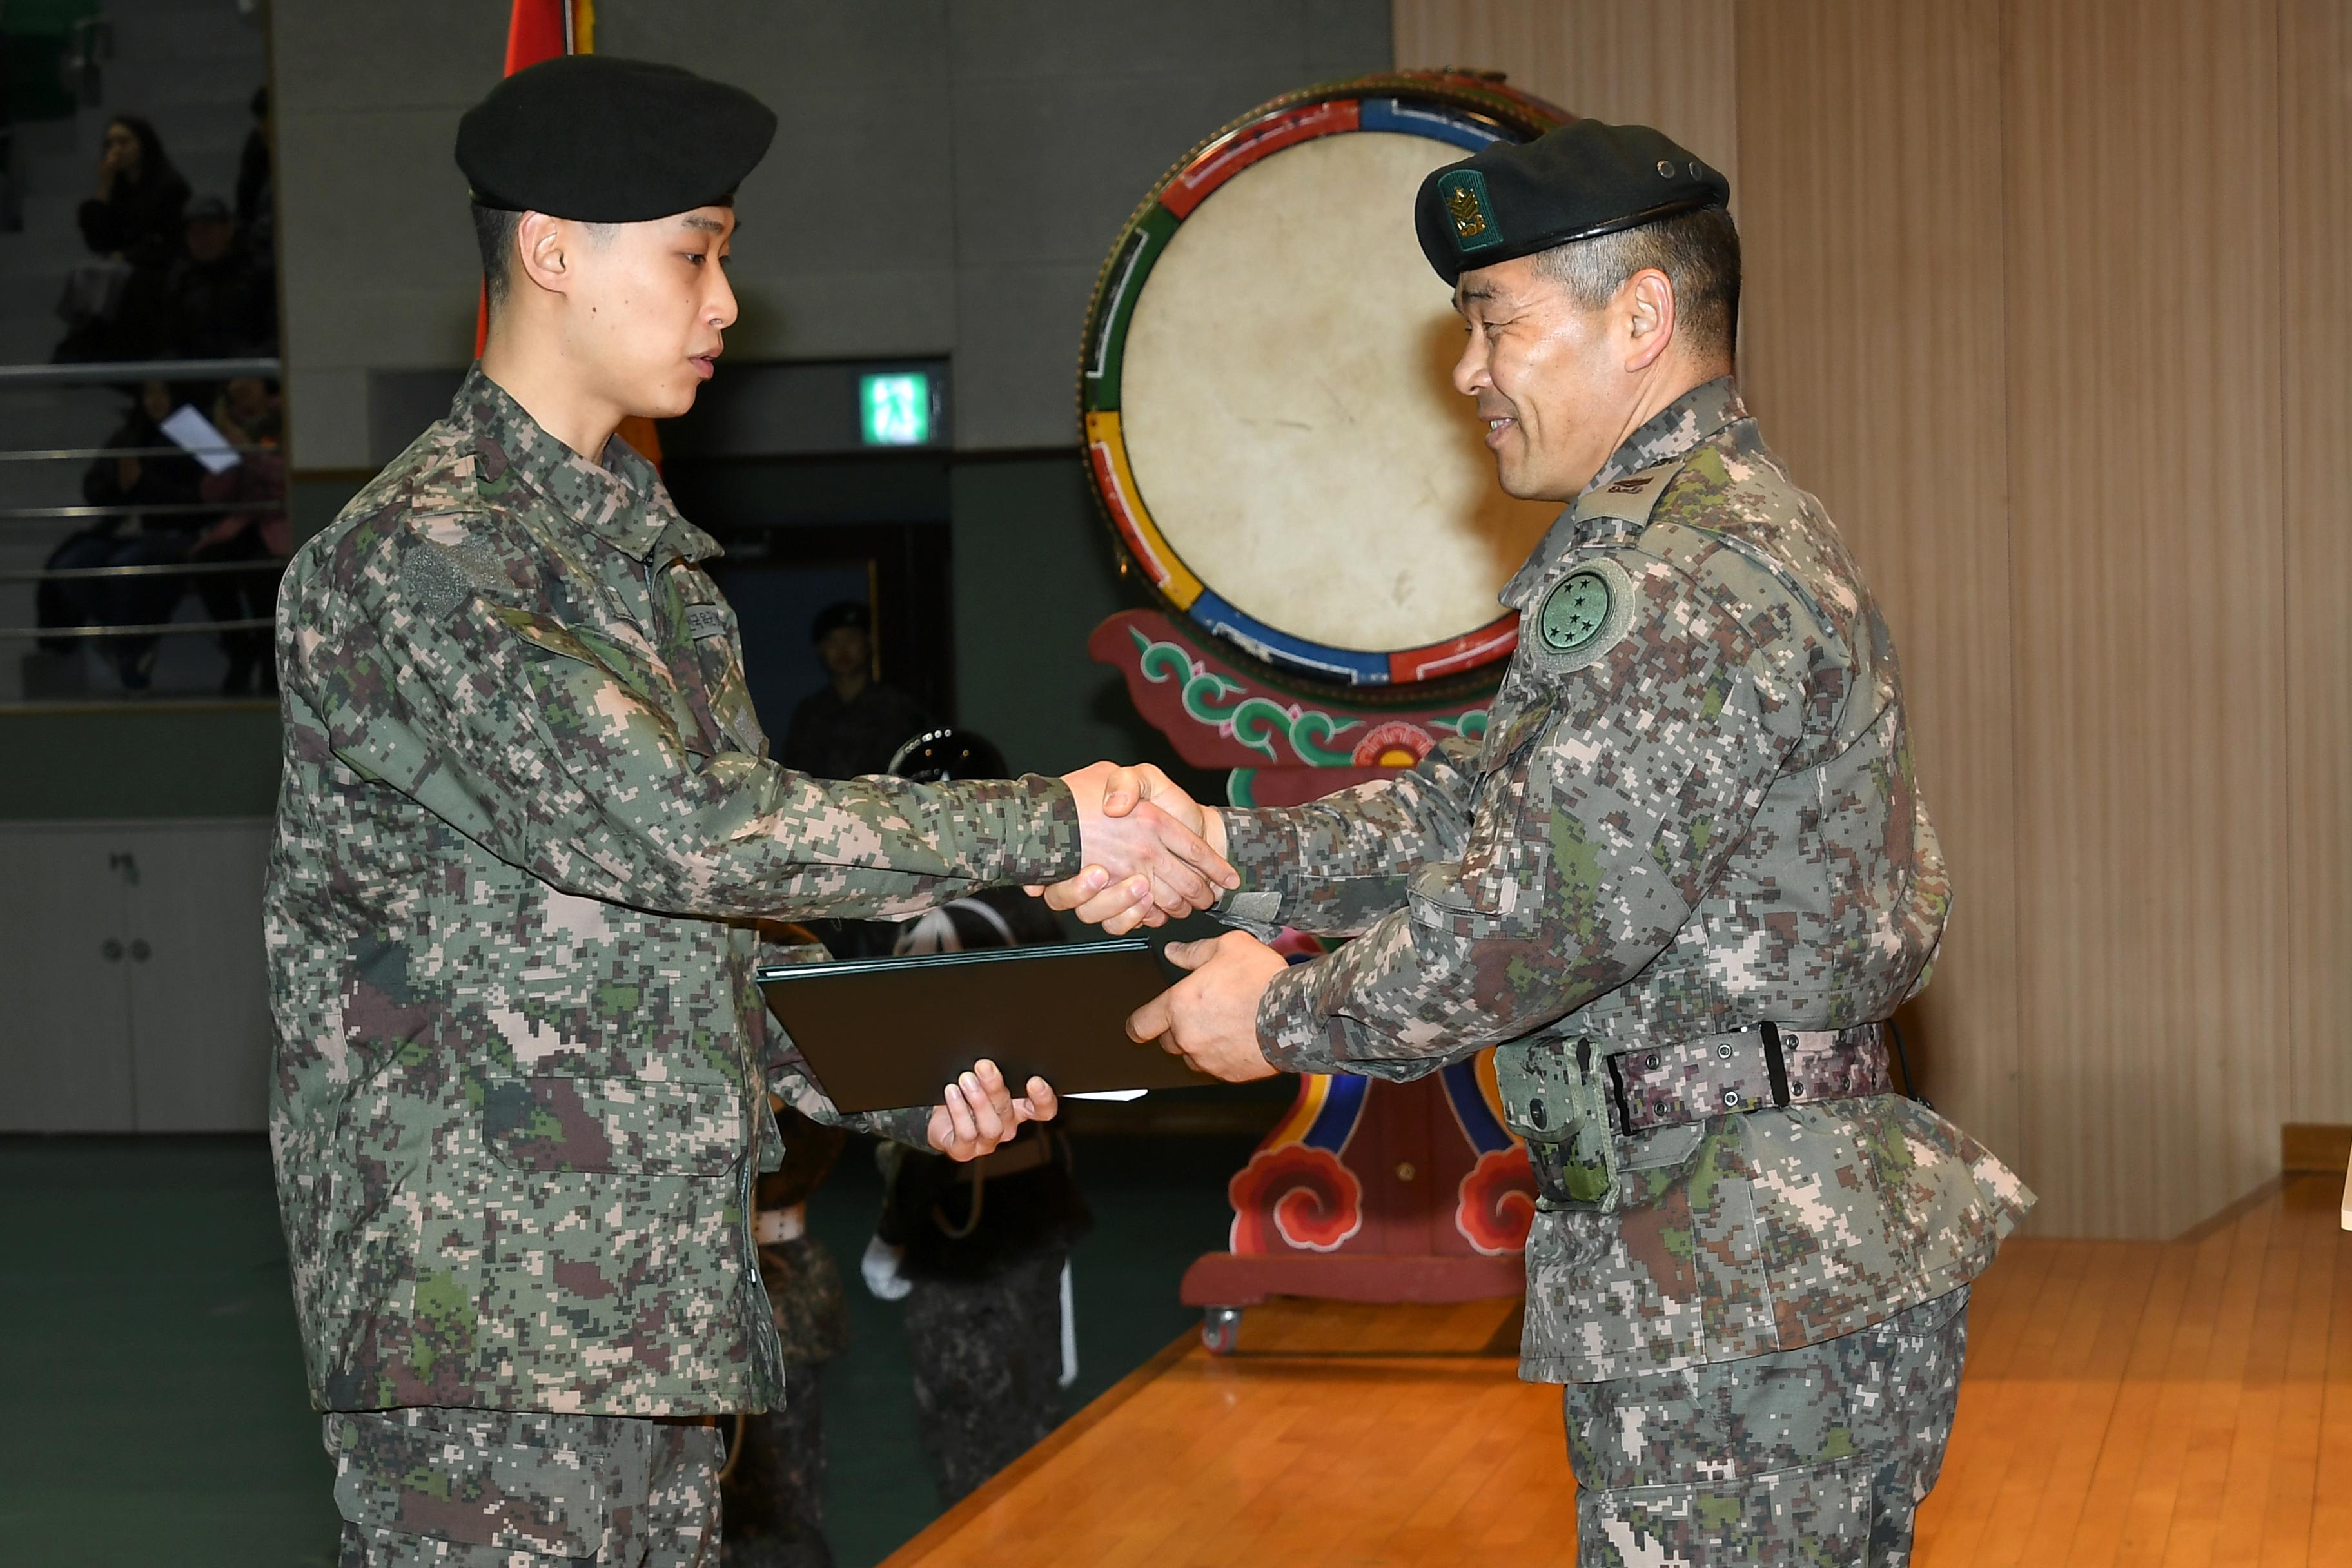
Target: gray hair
1698	252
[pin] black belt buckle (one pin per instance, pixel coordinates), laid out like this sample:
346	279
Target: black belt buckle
1776	1066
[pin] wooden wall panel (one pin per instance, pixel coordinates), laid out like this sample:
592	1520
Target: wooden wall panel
2316	165
2050	300
2144	337
1667	63
1872	354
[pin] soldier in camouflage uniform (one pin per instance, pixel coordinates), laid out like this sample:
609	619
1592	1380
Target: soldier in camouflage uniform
1679	885
526	822
774	1501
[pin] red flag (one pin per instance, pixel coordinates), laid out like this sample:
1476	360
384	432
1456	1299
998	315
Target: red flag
535	32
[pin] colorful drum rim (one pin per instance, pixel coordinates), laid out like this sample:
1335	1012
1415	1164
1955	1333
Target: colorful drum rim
1467	111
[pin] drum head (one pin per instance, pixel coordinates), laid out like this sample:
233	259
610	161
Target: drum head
1268	403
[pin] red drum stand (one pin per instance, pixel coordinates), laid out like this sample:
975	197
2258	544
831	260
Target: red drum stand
1368	1191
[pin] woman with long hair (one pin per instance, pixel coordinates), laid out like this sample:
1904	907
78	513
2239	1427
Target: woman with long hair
141	196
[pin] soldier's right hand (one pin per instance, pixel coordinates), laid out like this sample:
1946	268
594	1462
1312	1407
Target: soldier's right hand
1149	859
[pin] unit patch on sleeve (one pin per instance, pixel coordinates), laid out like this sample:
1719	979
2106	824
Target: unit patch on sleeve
1586	614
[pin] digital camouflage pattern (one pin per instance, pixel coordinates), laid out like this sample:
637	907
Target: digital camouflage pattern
774	1502
490	1489
1816	1456
526	820
987	1353
1700	817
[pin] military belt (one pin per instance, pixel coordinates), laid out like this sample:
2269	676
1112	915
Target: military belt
1009	1159
1767	1067
774	1228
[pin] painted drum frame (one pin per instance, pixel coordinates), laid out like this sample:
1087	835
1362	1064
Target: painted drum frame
1467	111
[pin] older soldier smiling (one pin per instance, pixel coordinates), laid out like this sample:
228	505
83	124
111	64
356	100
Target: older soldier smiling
1679	887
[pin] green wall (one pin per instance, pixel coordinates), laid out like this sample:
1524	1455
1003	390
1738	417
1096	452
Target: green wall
139	760
1034	572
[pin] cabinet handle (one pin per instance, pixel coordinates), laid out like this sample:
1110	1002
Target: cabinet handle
140	950
111	949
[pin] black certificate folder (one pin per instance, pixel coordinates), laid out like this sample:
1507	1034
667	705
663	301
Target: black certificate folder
882	1033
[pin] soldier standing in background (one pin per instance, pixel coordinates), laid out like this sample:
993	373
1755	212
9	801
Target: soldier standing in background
527	820
1680	886
776	1508
852	723
980	1250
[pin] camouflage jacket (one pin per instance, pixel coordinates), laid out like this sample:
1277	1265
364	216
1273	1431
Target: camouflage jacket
1693	810
526	820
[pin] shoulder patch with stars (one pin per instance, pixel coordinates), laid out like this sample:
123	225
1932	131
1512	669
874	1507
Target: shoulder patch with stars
1585	614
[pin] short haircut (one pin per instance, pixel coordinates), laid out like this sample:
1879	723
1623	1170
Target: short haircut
1698	252
494	232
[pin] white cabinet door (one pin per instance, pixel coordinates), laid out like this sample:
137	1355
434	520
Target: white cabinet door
65	1014
199	993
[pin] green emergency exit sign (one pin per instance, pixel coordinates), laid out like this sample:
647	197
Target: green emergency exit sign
895	408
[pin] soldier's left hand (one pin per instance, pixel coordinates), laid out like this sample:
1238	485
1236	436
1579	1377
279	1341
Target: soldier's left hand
978	1113
1210	1017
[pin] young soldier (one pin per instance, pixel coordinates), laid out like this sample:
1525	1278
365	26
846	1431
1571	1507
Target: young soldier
1679	886
528	820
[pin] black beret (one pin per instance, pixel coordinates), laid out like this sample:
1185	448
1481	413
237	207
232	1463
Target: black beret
1514	198
607	140
848	613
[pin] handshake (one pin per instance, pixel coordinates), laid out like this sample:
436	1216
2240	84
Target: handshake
1151	854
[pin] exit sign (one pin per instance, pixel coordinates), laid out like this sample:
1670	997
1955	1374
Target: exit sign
895	408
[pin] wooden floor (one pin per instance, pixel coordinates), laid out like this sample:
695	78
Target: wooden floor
2182	1403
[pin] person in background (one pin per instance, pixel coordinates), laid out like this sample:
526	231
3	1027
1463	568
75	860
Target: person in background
247	411
132	229
851	726
256	181
135	476
215	300
775	1499
135	215
979	1252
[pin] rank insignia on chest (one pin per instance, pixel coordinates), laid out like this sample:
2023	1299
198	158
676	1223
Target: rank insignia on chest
1586	614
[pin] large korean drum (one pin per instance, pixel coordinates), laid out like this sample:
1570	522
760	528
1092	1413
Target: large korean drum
1266	388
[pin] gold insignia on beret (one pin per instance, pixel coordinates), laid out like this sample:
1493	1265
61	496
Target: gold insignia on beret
1462	205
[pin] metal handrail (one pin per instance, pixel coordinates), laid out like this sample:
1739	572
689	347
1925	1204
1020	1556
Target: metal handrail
162	509
99	373
70	454
158	628
165	569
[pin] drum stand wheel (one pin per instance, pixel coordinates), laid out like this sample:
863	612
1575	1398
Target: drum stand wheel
1221	1329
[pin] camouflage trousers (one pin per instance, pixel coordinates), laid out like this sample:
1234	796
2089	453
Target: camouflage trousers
503	1488
988	1365
775	1506
1816	1456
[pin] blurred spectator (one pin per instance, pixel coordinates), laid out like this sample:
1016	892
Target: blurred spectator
216	302
133	225
247	413
138	477
852	724
135	217
257	204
